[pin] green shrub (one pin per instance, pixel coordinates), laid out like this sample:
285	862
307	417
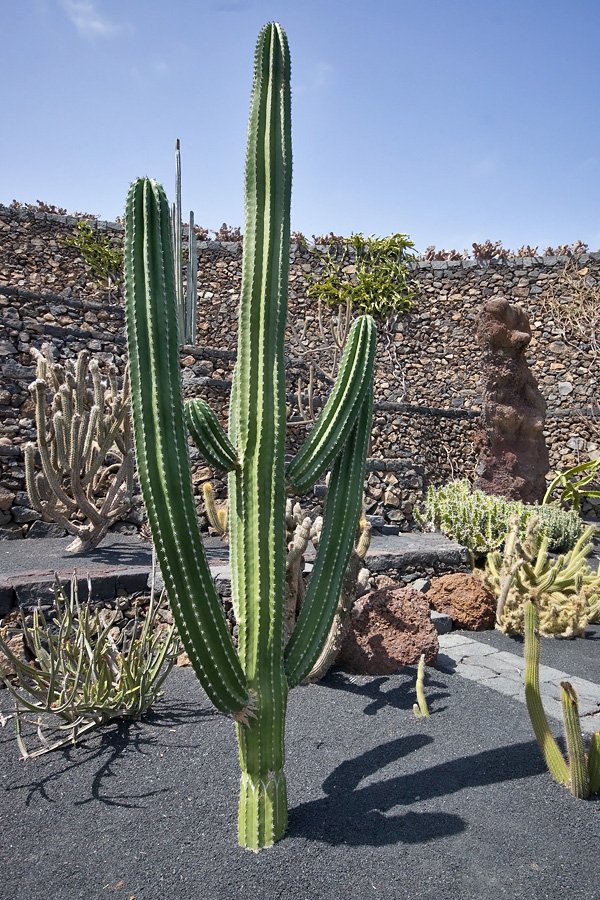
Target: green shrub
375	280
480	521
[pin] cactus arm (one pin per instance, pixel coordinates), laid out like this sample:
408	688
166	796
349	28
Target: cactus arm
216	517
337	419
552	754
340	517
162	449
208	435
580	784
594	763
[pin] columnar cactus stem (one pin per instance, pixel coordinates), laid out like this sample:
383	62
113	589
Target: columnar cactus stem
552	754
582	773
251	684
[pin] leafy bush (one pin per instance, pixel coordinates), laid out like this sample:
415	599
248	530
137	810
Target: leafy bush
377	282
78	672
480	521
104	259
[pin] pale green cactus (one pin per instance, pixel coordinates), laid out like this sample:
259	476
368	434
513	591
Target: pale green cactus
581	773
420	708
85	446
566	588
252	683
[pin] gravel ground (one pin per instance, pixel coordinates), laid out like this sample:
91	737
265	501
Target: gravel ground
382	805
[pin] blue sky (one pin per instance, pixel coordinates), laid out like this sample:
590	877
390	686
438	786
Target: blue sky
453	122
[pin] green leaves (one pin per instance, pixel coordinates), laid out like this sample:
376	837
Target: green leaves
573	490
375	279
105	261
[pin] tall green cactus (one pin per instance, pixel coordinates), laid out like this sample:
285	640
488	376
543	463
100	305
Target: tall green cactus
252	683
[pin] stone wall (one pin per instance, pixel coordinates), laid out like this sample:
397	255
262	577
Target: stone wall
428	380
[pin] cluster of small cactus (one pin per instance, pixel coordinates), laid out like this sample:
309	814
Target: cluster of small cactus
565	589
480	521
251	681
85	445
78	672
581	771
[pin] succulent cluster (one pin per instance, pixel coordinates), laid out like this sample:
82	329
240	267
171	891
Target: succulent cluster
80	674
84	446
481	521
494	250
565	589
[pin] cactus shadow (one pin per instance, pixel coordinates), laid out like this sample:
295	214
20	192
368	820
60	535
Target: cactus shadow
375	688
100	752
366	815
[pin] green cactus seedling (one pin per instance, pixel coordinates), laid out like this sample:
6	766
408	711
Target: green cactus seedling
252	682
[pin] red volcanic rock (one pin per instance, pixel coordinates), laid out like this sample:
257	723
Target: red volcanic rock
466	599
389	629
513	459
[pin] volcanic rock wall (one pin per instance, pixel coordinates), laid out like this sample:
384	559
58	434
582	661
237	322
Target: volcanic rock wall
428	381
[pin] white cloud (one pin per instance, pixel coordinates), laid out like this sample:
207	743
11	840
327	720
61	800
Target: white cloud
319	78
89	22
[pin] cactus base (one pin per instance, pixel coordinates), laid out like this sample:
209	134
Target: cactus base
263	810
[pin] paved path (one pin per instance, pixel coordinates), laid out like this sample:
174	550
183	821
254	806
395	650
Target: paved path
504	672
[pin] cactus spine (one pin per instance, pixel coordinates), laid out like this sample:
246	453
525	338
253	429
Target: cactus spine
251	684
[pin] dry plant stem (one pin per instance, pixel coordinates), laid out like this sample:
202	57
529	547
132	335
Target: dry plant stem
355	581
574	304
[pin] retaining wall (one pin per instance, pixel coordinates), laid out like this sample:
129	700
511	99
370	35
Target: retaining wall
428	381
